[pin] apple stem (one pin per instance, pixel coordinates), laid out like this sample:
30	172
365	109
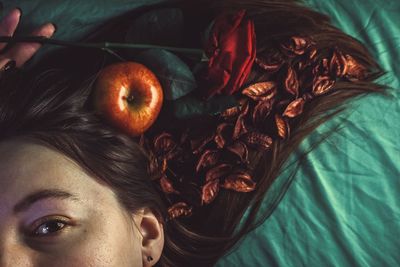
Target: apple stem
130	98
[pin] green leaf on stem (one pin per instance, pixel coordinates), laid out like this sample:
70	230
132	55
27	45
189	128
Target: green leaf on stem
174	75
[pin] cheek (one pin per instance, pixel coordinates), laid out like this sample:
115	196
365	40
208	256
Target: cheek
106	244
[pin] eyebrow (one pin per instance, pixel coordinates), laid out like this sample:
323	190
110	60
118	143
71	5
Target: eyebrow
30	199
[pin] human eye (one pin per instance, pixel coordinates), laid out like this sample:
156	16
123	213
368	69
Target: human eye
48	226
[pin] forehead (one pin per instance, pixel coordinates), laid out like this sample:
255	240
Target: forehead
25	161
26	167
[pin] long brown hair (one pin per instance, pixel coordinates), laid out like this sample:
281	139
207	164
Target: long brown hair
52	106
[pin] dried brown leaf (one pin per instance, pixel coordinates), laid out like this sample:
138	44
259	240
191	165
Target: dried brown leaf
307	96
198	144
261	91
269	64
337	64
233	112
355	71
223	134
179	209
144	143
240	182
261	111
184	136
258	140
218	172
230	112
163	164
240	127
166	185
313	54
301	65
294	108
297	45
164	143
157	166
322	85
322	68
282	126
240	149
292	82
209	192
208	158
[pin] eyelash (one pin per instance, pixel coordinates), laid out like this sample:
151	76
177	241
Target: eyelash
44	221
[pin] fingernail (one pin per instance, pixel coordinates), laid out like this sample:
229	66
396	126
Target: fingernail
20	10
9	65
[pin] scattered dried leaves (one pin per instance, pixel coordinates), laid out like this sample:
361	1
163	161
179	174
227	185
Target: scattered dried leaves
179	209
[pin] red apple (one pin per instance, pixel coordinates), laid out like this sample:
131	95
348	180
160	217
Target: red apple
129	96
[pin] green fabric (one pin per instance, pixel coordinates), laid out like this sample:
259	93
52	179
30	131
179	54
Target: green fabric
74	18
342	206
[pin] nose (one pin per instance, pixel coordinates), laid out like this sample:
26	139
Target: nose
13	255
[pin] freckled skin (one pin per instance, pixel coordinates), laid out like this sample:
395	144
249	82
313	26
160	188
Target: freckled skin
104	234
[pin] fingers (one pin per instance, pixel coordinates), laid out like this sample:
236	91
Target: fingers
9	24
6	64
3	62
22	52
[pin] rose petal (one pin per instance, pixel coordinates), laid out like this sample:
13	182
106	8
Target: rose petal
209	192
295	108
245	57
232	50
261	91
179	209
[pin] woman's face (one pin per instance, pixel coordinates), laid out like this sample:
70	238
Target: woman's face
53	214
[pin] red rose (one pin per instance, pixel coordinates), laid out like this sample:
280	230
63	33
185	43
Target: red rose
232	49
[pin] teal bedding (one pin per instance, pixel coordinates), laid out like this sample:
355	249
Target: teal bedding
342	207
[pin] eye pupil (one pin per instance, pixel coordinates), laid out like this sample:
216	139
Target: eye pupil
49	227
